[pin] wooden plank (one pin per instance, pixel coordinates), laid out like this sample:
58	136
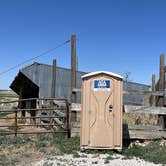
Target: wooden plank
148	132
146	110
136	132
145	135
138	92
75	107
145	127
132	108
77	90
142	92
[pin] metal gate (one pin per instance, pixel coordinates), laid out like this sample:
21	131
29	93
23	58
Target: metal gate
43	116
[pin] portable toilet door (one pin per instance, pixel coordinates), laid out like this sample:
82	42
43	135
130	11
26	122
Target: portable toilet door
101	115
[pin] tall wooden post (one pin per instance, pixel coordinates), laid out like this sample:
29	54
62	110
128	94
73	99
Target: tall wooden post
153	103
53	84
162	88
161	79
162	71
73	68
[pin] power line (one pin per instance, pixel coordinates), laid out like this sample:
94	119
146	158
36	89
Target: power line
28	60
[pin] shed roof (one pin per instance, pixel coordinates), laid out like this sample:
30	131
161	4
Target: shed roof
102	72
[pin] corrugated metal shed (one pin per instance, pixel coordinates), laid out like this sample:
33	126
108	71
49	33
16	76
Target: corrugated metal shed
41	75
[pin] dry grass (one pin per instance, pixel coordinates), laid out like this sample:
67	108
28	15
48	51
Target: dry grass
22	149
14	149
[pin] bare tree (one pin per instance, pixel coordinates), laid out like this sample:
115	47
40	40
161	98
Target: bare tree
126	76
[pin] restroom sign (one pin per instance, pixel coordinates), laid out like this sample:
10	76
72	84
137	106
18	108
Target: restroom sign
101	85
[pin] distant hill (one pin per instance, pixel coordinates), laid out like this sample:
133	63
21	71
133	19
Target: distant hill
7	94
2	90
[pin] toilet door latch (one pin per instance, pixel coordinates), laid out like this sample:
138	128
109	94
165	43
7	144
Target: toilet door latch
110	108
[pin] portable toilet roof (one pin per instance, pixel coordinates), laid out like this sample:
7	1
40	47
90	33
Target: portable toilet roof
101	72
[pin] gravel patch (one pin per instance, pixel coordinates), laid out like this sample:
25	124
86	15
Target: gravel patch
83	159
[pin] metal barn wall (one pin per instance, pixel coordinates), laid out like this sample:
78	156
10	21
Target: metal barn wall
134	98
41	75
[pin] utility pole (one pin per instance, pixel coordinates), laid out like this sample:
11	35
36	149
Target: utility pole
73	68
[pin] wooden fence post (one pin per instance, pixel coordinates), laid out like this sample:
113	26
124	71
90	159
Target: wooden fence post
162	88
153	103
53	84
67	120
161	79
73	68
16	123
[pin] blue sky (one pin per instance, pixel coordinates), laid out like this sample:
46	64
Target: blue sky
113	35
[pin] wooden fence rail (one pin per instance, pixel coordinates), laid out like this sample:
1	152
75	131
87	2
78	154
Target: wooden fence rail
137	92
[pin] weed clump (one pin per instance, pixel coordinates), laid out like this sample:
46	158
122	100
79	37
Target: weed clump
66	145
152	152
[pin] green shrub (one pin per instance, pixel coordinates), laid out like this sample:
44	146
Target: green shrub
22	121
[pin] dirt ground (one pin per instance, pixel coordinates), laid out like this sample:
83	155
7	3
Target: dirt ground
58	150
83	159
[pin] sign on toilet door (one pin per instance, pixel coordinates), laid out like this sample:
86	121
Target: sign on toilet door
101	85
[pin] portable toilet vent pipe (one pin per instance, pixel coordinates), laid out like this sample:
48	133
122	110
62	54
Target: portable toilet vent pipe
101	115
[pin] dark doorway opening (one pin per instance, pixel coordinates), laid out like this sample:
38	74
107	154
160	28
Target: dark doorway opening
26	89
